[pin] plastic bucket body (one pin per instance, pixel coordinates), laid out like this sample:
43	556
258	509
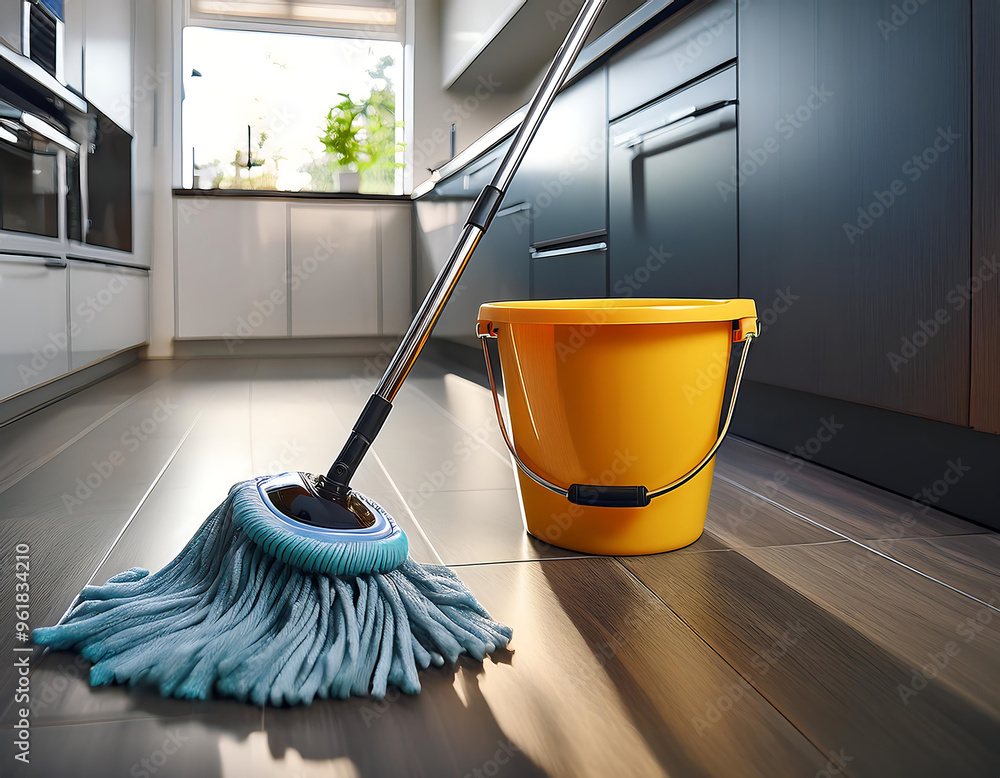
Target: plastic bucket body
616	393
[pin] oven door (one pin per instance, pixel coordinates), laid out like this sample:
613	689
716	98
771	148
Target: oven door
34	189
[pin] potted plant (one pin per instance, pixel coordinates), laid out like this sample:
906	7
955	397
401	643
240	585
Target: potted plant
361	136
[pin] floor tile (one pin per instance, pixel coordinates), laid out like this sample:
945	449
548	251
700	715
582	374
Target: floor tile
836	638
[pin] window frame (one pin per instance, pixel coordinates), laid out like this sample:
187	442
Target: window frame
182	18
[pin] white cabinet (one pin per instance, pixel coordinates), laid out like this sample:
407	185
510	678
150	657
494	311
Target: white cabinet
334	262
33	339
108	310
108	58
396	268
73	41
231	268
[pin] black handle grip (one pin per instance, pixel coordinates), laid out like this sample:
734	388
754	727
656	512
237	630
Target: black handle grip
609	496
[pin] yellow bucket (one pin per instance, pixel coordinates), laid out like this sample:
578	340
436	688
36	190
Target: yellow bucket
614	411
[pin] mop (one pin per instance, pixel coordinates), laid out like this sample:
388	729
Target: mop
297	586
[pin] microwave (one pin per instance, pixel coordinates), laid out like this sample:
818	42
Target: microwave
36	30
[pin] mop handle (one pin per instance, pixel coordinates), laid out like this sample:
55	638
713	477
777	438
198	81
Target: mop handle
379	404
487	205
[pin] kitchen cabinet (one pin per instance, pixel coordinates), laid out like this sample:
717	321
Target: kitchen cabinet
497	271
564	173
108	310
396	267
673	232
10	24
35	345
694	41
334	270
231	268
985	394
569	272
108	58
73	42
854	182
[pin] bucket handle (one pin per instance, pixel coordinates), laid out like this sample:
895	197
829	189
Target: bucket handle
615	496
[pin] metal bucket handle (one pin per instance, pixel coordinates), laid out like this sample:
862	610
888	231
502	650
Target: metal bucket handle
616	496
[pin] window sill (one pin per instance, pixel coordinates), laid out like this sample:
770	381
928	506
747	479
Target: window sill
272	195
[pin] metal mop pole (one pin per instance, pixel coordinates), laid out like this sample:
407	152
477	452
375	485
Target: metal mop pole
336	483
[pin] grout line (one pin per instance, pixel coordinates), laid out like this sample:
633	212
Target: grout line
83	433
503	457
729	664
409	510
803	517
526	561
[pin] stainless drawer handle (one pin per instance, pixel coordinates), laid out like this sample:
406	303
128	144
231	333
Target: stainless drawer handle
570	250
635	137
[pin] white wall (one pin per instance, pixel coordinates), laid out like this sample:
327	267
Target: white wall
435	108
161	277
464	24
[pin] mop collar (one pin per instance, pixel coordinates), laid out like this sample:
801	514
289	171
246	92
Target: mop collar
375	549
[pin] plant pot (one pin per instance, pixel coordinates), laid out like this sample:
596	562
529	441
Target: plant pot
349	182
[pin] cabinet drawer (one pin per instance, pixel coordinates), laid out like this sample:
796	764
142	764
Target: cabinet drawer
564	176
673	229
572	273
693	42
33	322
109	310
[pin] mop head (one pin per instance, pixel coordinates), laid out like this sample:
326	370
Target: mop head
254	611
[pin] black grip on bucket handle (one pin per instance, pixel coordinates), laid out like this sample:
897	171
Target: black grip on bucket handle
611	496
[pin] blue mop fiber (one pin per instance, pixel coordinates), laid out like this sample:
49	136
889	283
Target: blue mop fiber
255	609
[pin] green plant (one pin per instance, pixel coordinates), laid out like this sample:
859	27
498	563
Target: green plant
362	135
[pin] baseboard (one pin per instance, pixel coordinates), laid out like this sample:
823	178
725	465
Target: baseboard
909	455
38	397
215	348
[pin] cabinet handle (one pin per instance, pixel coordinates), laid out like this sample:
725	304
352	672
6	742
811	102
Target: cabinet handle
569	250
637	136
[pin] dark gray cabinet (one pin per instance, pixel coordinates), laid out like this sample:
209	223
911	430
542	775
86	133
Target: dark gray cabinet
854	182
569	272
693	41
673	217
498	270
563	175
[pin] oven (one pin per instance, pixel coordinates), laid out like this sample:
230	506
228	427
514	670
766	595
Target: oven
40	192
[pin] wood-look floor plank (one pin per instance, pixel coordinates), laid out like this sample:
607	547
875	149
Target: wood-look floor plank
601	680
836	642
299	422
844	504
967	562
71	510
35	438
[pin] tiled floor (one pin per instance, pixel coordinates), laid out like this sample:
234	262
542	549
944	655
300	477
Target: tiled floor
819	627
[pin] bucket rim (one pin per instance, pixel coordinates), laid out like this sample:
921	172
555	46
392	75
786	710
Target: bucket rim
629	310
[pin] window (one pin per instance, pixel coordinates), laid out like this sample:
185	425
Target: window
300	105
